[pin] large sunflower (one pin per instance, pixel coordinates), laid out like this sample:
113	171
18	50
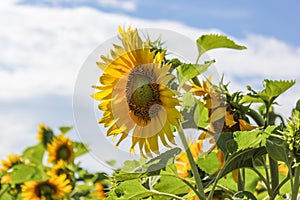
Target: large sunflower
54	188
61	148
134	95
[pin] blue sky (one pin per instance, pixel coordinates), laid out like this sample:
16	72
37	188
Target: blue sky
238	18
45	43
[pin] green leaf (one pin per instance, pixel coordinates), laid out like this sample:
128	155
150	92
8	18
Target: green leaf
171	184
298	105
65	129
22	173
213	41
201	115
278	151
129	190
35	153
226	143
188	101
79	148
243	195
252	139
272	89
241	159
209	163
161	161
186	72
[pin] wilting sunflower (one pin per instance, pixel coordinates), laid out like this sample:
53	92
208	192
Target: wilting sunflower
54	188
61	148
134	95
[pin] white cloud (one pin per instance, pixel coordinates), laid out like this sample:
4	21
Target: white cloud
42	50
128	5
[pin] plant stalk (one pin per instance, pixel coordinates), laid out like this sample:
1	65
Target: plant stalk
195	172
295	189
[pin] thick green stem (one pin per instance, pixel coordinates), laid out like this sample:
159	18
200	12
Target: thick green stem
193	164
295	189
241	179
274	173
256	117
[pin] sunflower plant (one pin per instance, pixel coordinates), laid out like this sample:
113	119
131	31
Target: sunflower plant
49	170
243	148
151	101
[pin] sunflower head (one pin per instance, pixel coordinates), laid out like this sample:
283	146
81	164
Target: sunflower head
12	159
61	148
45	134
61	168
182	163
134	94
54	188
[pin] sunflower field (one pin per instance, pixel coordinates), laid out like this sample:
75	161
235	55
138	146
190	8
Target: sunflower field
150	101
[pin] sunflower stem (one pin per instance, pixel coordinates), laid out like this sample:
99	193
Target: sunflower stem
295	189
194	168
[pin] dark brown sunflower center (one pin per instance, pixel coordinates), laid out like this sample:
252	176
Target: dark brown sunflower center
45	190
142	93
63	153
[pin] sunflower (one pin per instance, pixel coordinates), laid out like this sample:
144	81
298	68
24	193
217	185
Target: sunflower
99	191
134	95
182	163
61	148
12	159
54	188
60	168
45	134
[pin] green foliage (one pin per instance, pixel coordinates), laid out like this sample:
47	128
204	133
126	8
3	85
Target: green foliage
201	115
248	170
22	173
272	89
35	153
252	139
213	41
209	163
186	72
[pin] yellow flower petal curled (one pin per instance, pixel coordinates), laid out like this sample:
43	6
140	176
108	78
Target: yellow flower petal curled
61	148
134	95
54	188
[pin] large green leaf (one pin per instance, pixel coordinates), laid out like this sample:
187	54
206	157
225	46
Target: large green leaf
278	151
170	184
186	72
209	163
213	41
22	173
129	190
252	139
35	153
241	159
272	89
